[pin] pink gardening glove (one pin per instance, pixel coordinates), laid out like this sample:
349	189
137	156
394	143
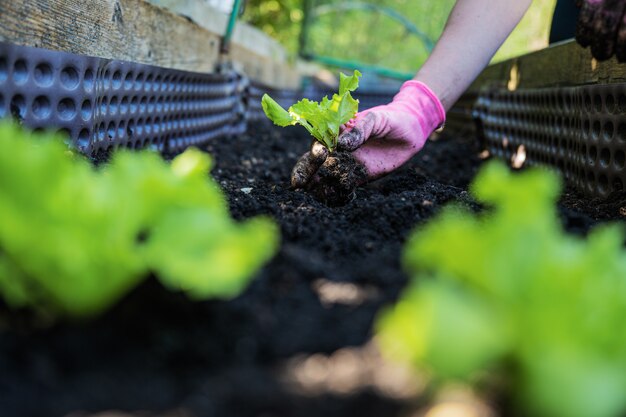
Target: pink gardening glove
379	139
384	137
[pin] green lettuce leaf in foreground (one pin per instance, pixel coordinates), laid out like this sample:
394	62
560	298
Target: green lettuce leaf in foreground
74	239
508	292
322	120
67	242
201	265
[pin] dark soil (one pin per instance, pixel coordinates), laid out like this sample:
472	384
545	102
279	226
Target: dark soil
157	351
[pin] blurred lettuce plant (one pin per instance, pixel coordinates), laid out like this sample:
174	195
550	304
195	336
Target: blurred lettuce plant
74	239
508	292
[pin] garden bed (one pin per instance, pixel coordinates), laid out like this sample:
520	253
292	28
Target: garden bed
157	351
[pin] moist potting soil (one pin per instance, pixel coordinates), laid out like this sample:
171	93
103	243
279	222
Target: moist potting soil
158	352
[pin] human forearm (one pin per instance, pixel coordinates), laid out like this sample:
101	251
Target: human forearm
474	32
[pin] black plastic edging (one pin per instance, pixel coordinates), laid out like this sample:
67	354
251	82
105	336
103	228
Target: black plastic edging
579	130
102	103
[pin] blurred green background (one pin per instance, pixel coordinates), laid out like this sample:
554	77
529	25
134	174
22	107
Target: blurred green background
375	38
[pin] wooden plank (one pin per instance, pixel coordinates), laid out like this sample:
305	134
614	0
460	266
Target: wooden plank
130	30
256	54
244	35
564	64
135	30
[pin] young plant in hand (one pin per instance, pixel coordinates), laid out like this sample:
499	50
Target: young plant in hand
321	120
328	173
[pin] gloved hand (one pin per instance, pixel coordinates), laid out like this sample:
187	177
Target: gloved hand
602	25
379	139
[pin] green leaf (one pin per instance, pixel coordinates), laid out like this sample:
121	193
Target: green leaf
75	239
347	109
348	83
506	291
206	256
322	120
275	112
443	327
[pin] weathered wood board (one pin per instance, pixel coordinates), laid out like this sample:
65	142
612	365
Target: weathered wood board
131	30
134	30
564	64
258	55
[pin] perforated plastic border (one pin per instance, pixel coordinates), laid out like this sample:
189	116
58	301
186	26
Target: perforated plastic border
255	92
102	104
288	97
580	130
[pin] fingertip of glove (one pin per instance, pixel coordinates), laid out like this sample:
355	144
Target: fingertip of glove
299	179
602	50
300	172
353	138
319	153
350	140
308	165
297	182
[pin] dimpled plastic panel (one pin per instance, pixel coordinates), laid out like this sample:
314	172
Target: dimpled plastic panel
288	97
254	110
580	130
102	104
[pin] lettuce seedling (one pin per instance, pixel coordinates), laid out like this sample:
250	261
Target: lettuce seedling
74	239
508	292
322	120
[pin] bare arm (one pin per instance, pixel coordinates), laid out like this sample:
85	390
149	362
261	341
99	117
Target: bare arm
474	32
